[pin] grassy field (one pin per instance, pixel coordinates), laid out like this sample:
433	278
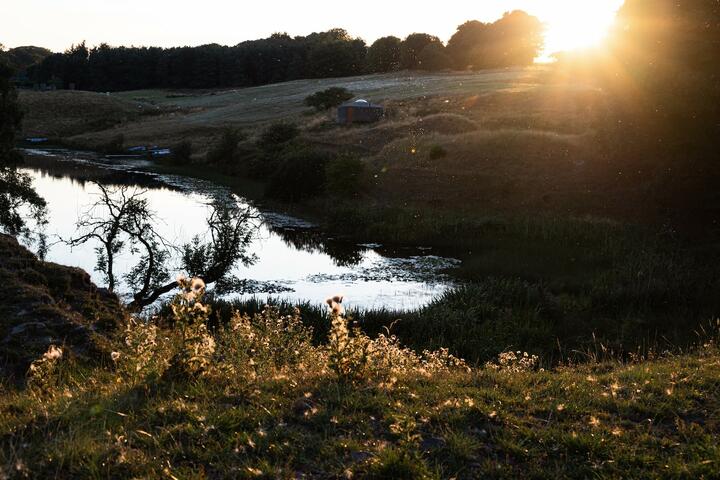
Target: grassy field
192	112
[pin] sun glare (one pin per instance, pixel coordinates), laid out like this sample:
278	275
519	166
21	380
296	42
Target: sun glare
574	25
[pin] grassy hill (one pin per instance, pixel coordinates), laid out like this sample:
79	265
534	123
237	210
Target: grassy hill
195	112
258	399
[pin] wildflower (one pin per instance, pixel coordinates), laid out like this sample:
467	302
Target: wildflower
115	356
53	353
594	422
197	286
336	307
202	308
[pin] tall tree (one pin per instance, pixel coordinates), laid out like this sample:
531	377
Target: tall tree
514	40
411	48
434	58
16	190
463	46
384	55
665	76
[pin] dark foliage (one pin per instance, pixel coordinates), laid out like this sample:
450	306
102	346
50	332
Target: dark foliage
384	55
411	48
225	151
437	152
300	176
665	79
514	40
344	175
326	99
277	135
275	59
182	152
434	58
16	189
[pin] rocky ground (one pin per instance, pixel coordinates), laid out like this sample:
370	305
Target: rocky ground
43	303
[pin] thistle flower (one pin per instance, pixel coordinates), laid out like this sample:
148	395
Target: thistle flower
115	356
201	308
53	353
197	285
336	307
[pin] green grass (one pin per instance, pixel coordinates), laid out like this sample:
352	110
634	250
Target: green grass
275	418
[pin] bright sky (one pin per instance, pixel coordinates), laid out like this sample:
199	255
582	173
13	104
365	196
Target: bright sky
57	24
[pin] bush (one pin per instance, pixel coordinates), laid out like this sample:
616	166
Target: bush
344	175
437	152
115	145
226	150
276	136
182	152
327	99
301	175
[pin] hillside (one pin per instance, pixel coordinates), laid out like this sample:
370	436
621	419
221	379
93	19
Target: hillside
528	137
195	112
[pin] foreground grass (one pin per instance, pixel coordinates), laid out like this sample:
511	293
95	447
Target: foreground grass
291	416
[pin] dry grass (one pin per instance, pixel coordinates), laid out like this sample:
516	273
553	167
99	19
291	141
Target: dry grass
68	113
93	118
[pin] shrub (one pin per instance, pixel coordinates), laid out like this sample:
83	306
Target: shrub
226	150
277	135
326	99
114	145
344	175
437	152
182	152
300	175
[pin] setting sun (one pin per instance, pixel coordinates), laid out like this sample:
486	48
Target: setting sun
577	25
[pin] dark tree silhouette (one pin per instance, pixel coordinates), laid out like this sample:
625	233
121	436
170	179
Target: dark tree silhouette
16	190
412	46
664	74
384	55
464	46
514	40
122	221
434	58
328	98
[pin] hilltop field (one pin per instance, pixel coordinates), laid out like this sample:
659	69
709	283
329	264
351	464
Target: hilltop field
500	140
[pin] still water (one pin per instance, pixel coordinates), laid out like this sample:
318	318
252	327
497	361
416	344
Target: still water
293	259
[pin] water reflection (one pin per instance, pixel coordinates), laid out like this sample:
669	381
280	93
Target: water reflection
295	260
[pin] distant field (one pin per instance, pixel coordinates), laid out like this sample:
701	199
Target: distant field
176	114
510	139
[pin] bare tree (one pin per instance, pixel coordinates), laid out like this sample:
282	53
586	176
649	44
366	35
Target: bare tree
121	220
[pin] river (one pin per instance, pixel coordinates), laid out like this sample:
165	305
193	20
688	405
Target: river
294	259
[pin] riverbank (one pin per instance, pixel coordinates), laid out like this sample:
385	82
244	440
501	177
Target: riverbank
556	286
44	303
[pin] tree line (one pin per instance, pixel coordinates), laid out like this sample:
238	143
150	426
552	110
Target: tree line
514	40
